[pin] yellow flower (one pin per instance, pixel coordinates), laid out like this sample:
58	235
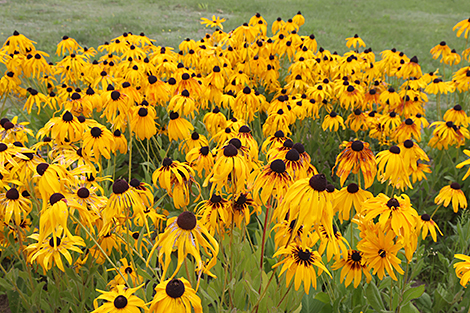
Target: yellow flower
175	295
355	41
452	193
188	236
301	262
462	269
463	27
120	299
214	22
352	268
380	253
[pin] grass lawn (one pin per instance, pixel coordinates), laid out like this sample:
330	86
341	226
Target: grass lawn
413	27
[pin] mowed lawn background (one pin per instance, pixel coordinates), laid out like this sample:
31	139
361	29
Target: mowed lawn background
411	26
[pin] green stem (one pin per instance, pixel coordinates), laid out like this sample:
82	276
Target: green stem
255	308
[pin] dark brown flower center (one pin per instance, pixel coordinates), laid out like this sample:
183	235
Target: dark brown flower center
394	149
204	150
134	182
293	155
393	203
215	198
96	132
278	166
304	255
357	145
174	115
83	193
57	241
56	197
455	186
236	142
356	256
67	117
120	302
41	168
230	150
382	253
115	95
143	112
426	217
353	188
13	194
408	143
167	162
175	288
318	182
120	186
186	220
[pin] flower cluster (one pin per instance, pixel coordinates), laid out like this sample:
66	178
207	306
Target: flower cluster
222	103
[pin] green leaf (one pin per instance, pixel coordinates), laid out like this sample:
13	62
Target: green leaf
409	308
412	293
299	309
374	298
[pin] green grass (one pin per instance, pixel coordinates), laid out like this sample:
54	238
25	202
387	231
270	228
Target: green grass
413	27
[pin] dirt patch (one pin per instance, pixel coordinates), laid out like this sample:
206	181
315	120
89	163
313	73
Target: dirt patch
4	306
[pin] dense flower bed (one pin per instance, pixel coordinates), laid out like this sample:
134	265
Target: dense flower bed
200	179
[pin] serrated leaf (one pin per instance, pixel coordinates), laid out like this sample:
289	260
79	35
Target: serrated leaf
374	298
412	293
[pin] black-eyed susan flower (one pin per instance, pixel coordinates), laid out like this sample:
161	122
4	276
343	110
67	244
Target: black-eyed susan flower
271	183
462	269
188	236
241	209
230	166
350	197
196	140
333	245
396	213
214	214
175	295
131	277
120	142
463	27
170	171
380	253
215	22
303	263
120	299
120	201
407	130
353	267
447	134
426	224
178	127
441	49
13	206
392	168
214	121
356	156
97	142
63	129
355	41
50	250
452	193
143	121
201	160
456	115
18	42
308	202
51	178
